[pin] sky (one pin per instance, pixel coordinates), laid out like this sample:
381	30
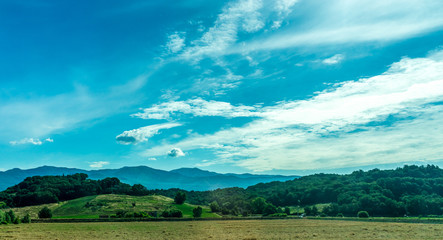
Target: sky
258	86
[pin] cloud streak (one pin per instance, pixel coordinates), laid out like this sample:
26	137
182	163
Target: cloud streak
33	141
142	134
196	107
346	125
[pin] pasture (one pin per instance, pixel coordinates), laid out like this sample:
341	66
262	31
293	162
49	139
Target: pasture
232	229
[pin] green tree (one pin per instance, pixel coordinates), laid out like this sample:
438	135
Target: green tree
363	214
214	207
258	205
11	216
180	198
45	213
197	212
26	218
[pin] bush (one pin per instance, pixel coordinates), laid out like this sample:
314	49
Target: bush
180	198
288	211
363	214
26	219
340	215
278	215
172	213
214	207
11	218
45	213
197	212
120	213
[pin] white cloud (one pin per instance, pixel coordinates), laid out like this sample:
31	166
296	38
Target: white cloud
236	17
344	22
142	134
152	159
337	58
99	164
33	141
331	129
175	43
176	152
197	107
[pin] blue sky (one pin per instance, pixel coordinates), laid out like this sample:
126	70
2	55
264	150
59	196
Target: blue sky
276	86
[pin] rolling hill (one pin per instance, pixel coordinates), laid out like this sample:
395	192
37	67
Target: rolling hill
183	178
108	204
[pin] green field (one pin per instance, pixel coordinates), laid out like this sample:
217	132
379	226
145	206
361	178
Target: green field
233	229
108	204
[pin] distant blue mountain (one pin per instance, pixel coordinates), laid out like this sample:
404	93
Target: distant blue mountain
184	178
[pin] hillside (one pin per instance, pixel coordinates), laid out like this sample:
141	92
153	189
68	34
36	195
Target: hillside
109	204
184	178
411	190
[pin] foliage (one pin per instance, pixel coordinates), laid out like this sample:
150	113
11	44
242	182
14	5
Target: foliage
363	214
172	213
39	190
197	212
214	207
26	219
45	212
180	197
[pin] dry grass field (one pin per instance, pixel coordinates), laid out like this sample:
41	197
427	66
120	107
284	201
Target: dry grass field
236	229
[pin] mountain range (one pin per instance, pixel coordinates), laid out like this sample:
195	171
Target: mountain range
183	178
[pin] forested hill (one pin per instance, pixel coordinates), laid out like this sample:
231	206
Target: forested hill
51	189
412	190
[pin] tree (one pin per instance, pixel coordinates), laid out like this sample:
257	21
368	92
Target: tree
11	217
45	213
258	205
363	214
180	198
214	207
197	212
26	218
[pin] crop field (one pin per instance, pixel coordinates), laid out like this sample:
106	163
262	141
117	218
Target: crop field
233	229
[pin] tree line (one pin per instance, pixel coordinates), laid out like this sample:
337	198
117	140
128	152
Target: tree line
410	190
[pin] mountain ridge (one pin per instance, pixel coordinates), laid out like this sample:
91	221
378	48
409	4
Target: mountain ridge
185	178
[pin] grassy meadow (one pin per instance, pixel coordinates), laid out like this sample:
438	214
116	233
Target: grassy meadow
234	229
108	204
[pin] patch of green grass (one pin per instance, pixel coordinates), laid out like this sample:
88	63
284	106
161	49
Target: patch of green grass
108	204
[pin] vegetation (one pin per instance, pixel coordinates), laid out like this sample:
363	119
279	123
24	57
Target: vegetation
197	212
410	190
112	206
52	189
363	214
239	229
180	197
45	212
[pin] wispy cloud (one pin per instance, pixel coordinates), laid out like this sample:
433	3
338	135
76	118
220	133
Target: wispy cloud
33	141
142	134
336	59
99	164
46	115
343	126
196	107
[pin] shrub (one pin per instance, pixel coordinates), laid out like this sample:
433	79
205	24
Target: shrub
214	207
363	214
176	213
340	215
323	215
120	213
45	213
288	211
197	212
26	219
180	198
172	213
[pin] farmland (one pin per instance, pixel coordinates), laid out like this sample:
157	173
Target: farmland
107	204
236	229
